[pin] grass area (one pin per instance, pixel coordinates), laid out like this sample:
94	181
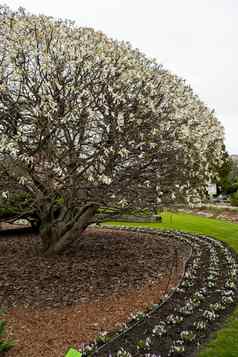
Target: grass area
224	343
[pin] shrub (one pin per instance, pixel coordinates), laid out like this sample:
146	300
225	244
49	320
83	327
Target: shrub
234	199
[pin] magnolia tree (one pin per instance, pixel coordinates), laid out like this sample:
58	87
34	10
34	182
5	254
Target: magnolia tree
90	125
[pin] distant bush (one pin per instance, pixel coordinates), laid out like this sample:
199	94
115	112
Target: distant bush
234	199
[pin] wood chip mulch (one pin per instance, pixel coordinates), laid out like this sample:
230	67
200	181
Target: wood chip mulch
57	302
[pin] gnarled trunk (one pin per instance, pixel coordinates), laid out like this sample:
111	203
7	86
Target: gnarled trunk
59	234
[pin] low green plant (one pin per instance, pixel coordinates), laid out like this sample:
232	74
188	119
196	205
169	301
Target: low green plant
73	353
5	345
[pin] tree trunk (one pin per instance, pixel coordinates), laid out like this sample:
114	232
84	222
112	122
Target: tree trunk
57	236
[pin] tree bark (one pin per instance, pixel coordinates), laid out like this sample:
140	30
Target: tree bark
56	237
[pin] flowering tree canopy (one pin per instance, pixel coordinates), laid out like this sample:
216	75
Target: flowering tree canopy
87	122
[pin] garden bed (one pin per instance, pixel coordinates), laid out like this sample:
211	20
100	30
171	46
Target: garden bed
55	302
168	327
199	306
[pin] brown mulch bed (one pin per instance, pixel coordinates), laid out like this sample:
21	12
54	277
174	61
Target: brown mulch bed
59	301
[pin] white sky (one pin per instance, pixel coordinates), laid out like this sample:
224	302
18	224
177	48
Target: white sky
196	39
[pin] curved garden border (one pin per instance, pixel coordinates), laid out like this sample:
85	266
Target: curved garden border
184	319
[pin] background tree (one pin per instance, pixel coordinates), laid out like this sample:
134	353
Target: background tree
89	123
234	168
228	175
223	179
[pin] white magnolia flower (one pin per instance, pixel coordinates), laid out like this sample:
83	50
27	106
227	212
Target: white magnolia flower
5	194
123	203
153	145
105	179
123	152
120	119
22	180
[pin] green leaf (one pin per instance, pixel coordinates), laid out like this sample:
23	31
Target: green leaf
2	327
73	353
2	311
6	345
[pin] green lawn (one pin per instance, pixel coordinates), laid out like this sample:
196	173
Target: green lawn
225	342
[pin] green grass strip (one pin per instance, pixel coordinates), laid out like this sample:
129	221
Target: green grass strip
224	343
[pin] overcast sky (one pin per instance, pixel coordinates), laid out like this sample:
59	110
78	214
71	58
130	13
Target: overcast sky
196	39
